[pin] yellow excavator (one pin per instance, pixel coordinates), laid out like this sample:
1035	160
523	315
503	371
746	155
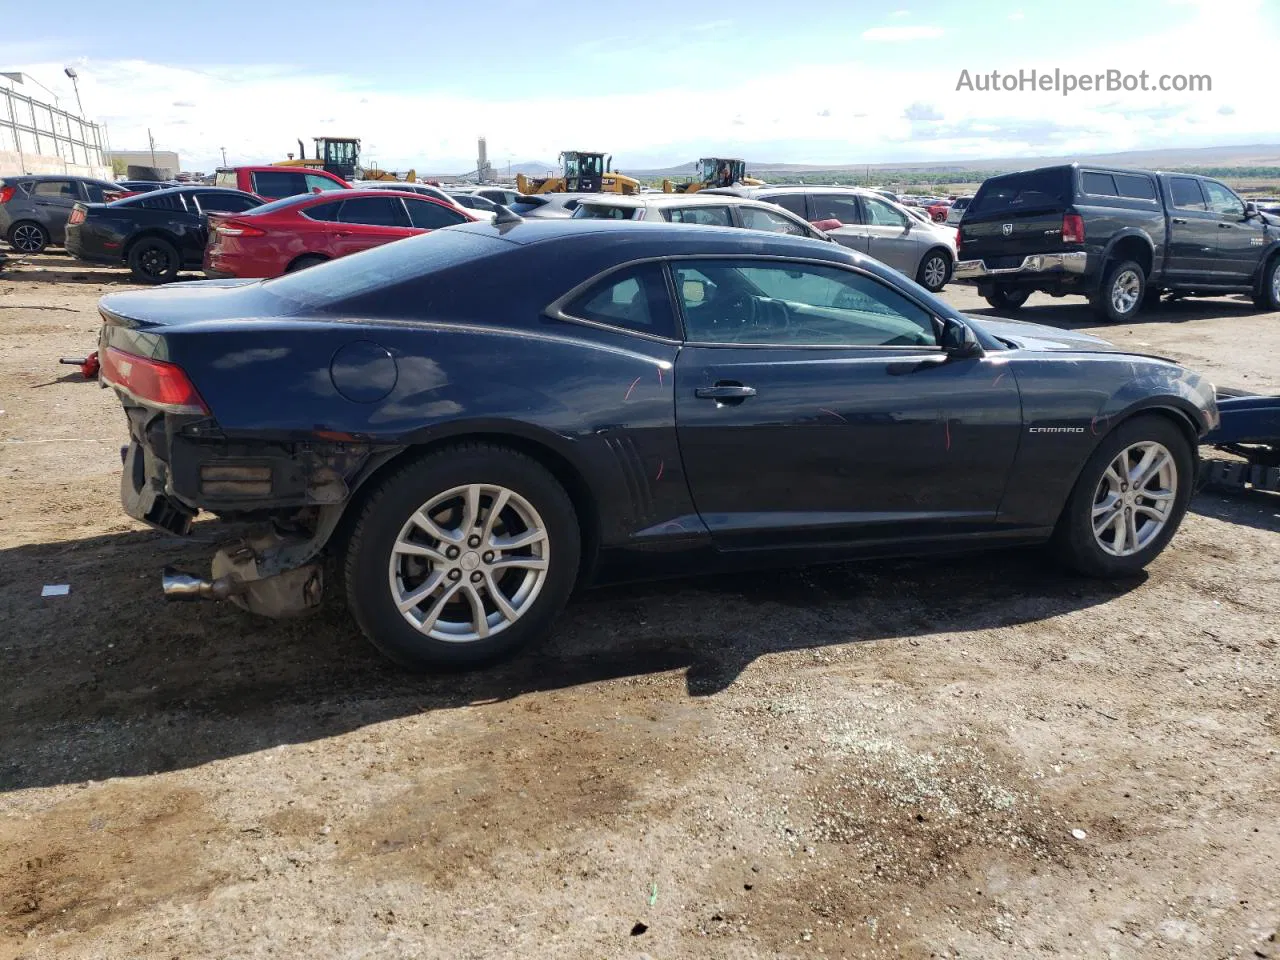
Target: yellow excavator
341	157
584	172
715	172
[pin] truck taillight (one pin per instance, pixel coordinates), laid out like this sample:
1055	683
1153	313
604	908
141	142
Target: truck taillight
153	382
77	215
1072	228
238	228
6	194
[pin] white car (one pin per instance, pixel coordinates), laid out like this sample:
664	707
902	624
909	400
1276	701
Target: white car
957	210
700	209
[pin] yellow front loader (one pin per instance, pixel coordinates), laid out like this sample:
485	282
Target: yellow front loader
715	172
584	172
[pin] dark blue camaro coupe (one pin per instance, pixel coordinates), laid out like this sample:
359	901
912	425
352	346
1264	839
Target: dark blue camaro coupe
477	420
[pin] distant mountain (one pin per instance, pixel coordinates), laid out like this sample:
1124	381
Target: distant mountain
1254	155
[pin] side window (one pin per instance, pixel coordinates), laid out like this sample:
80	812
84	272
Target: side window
98	191
324	212
1135	187
788	201
224	203
279	183
835	206
880	214
162	200
1099	184
56	188
703	216
635	298
373	212
1186	193
795	304
1222	200
426	215
753	218
322	183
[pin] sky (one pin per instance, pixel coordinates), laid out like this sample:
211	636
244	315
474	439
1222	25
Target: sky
659	84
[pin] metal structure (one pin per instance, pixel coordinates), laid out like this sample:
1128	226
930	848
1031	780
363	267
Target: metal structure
47	139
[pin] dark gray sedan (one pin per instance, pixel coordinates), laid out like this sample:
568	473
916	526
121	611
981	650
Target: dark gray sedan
34	208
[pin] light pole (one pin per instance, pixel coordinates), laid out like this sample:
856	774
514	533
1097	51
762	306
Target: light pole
224	155
20	77
70	72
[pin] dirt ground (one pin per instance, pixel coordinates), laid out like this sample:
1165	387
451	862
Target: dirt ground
979	758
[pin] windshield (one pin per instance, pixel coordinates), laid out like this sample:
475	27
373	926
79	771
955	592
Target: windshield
339	152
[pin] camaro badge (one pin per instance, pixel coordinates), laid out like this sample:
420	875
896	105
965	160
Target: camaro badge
1055	430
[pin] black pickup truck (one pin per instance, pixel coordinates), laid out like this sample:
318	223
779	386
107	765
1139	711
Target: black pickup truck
1118	237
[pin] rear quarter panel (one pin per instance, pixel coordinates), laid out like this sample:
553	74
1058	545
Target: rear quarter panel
603	402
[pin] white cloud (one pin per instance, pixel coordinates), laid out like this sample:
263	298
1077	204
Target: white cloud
257	113
901	13
1017	15
896	34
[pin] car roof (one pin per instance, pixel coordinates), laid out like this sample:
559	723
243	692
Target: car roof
652	238
667	199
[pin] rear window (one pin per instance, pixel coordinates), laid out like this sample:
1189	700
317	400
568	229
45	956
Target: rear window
1098	184
1186	193
279	183
1033	190
392	263
225	178
600	211
703	216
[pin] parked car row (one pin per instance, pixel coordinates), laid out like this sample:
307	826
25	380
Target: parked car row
34	208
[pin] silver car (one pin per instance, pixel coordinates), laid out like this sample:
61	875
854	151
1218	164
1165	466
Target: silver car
870	223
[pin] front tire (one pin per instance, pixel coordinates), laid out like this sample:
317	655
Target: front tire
934	270
1129	499
461	556
1268	296
1006	298
154	260
28	237
1123	288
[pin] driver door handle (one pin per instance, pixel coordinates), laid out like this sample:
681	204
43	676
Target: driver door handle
1224	226
725	391
1178	220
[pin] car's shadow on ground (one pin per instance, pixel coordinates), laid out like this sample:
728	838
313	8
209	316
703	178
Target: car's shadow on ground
112	681
1259	509
1073	313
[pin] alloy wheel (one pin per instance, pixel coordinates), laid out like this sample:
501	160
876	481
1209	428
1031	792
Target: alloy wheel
27	238
1275	283
1126	288
154	262
1134	499
935	272
469	563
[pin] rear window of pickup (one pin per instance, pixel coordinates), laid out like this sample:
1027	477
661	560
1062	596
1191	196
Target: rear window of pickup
1033	190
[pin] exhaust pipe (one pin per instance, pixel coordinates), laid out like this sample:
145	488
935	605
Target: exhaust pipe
176	585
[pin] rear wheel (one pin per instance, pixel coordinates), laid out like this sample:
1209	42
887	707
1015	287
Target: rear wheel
934	270
1128	500
1268	296
28	237
309	260
1007	298
1123	288
154	260
461	556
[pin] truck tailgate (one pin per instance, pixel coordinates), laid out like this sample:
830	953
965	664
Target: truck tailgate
1011	236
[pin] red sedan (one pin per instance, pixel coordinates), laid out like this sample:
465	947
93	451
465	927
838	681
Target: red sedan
299	232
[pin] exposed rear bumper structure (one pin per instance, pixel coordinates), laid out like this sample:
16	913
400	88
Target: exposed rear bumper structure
1035	264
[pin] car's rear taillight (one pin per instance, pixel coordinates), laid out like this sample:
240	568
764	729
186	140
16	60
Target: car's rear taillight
77	215
6	194
153	382
1072	228
238	228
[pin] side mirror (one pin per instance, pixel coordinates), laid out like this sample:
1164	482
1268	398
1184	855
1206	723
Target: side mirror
959	341
1250	210
317	190
831	223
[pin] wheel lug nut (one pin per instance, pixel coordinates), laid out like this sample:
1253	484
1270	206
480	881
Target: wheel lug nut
452	553
455	574
477	577
473	541
488	557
